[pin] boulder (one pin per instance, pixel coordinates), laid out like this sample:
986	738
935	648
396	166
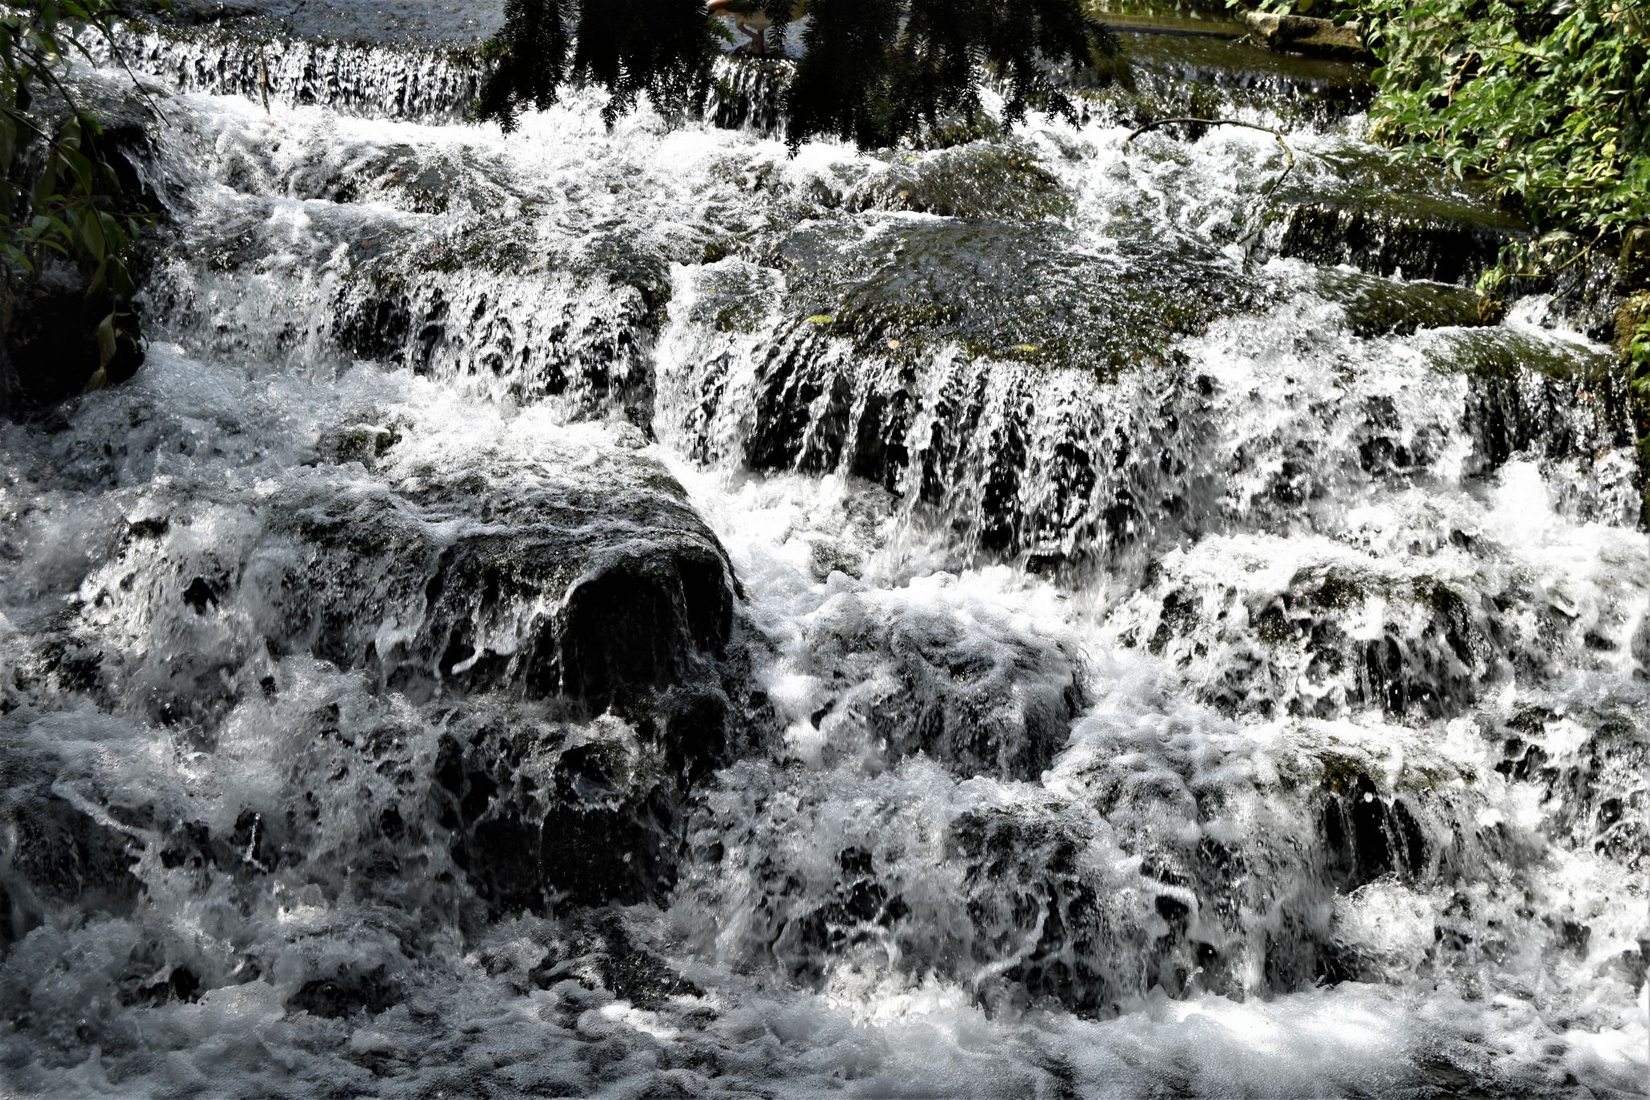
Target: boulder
1307	35
56	857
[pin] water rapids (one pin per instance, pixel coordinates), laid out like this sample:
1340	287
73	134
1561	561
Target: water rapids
641	614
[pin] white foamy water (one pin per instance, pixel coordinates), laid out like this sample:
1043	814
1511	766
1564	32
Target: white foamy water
641	614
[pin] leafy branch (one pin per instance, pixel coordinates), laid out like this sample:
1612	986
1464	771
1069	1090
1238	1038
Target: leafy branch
61	197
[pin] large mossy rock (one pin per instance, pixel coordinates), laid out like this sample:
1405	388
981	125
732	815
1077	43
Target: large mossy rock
598	586
1014	290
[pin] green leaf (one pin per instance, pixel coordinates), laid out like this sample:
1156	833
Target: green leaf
91	233
106	347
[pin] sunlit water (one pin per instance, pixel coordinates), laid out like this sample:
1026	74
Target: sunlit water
639	613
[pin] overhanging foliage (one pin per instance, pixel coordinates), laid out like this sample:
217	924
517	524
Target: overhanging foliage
873	71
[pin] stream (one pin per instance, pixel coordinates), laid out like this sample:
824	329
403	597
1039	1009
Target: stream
640	613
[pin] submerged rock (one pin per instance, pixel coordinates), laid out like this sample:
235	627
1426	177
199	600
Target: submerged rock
61	858
956	683
1350	633
547	814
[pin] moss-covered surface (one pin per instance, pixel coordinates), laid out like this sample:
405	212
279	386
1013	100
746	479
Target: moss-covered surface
1508	353
983	179
1376	307
1006	290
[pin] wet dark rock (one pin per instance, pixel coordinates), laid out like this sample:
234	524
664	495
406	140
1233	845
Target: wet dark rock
1386	216
956	686
1366	835
1596	790
932	322
1378	307
859	908
625	628
58	858
50	349
601	953
1117	476
1023	883
1387	242
609	592
363	443
347	993
475	306
1440	645
1012	290
179	985
1531	398
150	527
200	596
996	179
544	813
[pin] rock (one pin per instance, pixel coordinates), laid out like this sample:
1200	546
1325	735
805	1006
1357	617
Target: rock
56	856
932	283
48	342
1308	649
49	345
548	812
1031	903
1377	307
596	585
1365	835
1633	268
984	179
603	954
1307	35
347	993
951	681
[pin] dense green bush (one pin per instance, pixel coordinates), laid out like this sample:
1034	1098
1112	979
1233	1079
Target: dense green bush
1551	101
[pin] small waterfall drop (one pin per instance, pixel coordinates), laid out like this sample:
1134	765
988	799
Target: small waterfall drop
640	612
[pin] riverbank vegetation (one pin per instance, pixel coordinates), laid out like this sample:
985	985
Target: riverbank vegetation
1550	104
69	215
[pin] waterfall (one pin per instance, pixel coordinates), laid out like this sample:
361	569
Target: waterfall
640	611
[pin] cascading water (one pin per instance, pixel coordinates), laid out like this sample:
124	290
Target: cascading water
640	613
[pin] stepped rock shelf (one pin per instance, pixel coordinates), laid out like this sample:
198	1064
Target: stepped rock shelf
637	612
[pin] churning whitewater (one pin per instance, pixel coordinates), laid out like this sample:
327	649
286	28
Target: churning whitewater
640	613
